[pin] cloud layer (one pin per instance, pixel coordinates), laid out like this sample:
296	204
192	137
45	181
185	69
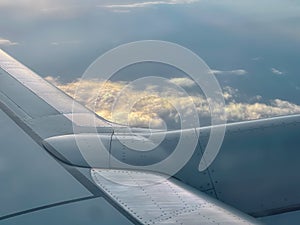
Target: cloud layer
156	107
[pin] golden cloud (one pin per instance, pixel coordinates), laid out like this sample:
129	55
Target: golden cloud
156	107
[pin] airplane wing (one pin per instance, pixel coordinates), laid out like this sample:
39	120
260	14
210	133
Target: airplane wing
42	183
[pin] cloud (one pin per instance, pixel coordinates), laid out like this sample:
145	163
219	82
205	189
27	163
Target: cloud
182	81
244	111
229	72
54	80
276	71
229	92
141	107
7	42
147	4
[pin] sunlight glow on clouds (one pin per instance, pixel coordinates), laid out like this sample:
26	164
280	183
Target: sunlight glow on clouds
157	107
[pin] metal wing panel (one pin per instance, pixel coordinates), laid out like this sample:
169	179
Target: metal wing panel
261	159
154	199
37	85
20	95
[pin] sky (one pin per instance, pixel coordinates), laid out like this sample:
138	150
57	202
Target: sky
253	48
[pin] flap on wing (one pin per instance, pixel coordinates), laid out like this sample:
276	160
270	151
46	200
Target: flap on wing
154	199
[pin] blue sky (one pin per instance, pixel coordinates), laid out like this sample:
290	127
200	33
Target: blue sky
253	46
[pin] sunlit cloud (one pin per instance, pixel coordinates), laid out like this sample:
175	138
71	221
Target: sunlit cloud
229	93
7	42
182	81
158	107
276	71
244	111
229	72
